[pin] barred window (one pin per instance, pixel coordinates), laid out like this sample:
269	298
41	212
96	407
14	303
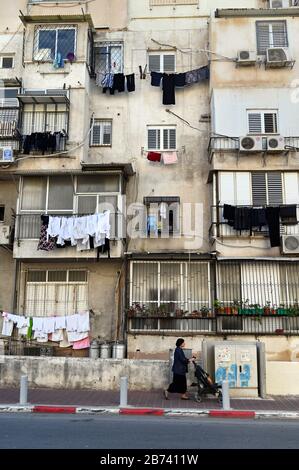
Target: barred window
262	121
271	34
44	118
161	138
6	62
108	57
54	43
101	133
161	62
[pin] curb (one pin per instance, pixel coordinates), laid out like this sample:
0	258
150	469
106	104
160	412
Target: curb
136	411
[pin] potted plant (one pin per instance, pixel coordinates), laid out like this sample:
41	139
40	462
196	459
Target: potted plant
235	307
256	309
204	311
267	308
274	310
281	310
227	310
218	307
245	310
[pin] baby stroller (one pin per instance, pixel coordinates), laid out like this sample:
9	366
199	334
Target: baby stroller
205	385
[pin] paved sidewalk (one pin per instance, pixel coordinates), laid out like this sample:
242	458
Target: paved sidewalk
139	399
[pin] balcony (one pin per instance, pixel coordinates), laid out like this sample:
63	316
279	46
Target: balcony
221	229
27	234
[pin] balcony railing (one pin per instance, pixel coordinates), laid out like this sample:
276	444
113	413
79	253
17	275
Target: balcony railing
220	227
28	226
221	324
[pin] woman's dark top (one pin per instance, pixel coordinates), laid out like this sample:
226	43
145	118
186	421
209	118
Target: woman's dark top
180	363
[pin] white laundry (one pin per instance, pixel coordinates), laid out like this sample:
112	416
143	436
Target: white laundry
75	336
23	331
38	324
22	322
60	323
53	229
57	335
83	322
83	245
101	242
163	210
92	224
42	339
7	327
80	228
64	343
49	325
103	226
40	335
72	322
12	317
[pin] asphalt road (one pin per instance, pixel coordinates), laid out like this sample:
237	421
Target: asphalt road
46	431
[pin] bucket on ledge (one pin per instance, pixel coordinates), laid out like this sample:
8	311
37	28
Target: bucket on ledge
118	351
105	351
94	349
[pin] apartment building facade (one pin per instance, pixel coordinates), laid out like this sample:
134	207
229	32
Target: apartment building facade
153	288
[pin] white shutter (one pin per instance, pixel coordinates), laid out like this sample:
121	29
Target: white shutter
226	188
107	127
154	62
243	189
274	188
263	36
96	134
259	188
279	32
168	62
172	139
291	188
260	283
255	123
153	139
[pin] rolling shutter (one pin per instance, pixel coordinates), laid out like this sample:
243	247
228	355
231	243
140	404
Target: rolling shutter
168	63
153	139
255	123
259	189
154	62
274	188
263	37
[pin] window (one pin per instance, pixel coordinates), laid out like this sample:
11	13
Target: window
54	43
2	211
271	34
49	293
266	188
8	97
6	62
44	118
108	57
8	122
101	134
165	215
174	285
161	62
161	138
262	121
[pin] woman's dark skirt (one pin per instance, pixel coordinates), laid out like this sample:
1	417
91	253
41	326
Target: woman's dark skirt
179	384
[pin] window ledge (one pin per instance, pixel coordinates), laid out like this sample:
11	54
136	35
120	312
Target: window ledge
47	68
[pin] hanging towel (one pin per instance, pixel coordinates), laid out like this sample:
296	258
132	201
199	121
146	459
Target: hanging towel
130	82
83	322
49	325
272	214
156	78
60	323
169	158
22	322
38	324
7	327
242	218
56	336
168	86
71	322
288	214
180	80
82	344
163	210
75	336
119	82
154	156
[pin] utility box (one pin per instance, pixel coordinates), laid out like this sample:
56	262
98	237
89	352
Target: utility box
237	362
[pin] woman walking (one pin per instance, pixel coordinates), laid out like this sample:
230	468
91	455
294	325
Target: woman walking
179	369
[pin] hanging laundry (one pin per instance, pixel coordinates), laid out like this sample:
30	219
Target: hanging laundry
49	325
75	336
71	322
152	225
168	86
156	78
197	75
242	218
60	322
169	158
46	243
258	217
44	142
119	82
30	328
229	214
272	214
154	156
130	82
7	326
64	343
38	323
180	80
163	210
107	83
288	215
56	336
83	322
82	344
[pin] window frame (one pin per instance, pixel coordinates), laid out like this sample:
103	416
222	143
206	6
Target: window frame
45	113
108	44
271	35
161	55
55	28
7	57
102	122
161	129
262	112
153	205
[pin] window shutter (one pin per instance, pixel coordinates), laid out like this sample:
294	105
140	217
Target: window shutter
172	139
154	62
291	186
259	189
107	134
168	62
255	123
270	121
275	188
96	134
263	37
280	38
153	139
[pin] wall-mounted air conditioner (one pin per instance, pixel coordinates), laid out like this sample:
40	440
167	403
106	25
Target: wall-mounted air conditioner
281	3
275	143
6	155
278	57
4	234
252	143
290	244
246	58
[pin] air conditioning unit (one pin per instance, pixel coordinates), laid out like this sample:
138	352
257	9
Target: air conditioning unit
275	143
4	234
252	143
278	57
6	155
290	244
246	58
280	3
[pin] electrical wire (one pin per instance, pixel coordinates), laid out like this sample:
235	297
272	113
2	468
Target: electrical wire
199	51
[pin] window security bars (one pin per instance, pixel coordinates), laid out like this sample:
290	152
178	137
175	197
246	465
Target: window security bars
108	57
101	133
54	43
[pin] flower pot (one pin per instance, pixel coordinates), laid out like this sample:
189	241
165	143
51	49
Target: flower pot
235	310
259	311
227	310
267	311
281	311
243	311
273	311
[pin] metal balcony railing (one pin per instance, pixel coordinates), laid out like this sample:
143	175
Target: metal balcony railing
28	226
220	228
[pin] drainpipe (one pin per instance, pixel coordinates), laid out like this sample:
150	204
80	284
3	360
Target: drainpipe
15	283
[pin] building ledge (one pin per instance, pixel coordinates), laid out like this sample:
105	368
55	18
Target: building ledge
84	18
126	168
255	12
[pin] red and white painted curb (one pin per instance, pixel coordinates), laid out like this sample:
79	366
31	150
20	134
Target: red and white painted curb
136	411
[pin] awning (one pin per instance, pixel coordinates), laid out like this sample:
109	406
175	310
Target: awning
43	99
84	18
158	200
126	168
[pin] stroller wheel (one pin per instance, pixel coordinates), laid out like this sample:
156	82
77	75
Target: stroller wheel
197	397
220	397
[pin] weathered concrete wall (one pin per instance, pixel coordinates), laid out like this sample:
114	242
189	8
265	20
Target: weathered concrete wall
282	378
77	373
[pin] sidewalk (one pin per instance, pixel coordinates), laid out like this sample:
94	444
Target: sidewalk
138	401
